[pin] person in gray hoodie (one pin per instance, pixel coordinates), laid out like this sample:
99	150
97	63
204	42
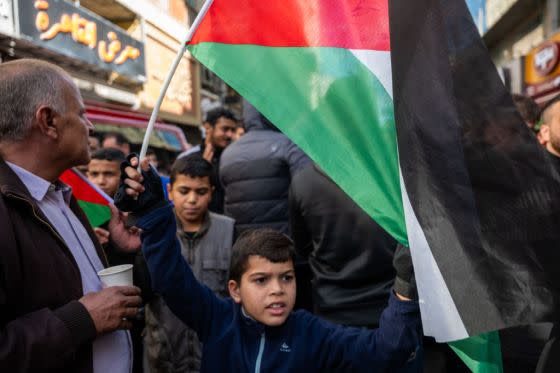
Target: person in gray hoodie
256	172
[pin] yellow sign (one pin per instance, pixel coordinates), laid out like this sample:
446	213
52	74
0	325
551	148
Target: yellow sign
542	67
83	31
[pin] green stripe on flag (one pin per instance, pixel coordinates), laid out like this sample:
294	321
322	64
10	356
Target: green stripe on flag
482	353
331	106
97	214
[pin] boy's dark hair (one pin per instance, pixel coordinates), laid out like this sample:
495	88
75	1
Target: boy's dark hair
213	115
109	154
268	243
192	165
119	137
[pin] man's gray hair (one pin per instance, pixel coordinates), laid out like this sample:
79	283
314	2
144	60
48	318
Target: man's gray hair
26	85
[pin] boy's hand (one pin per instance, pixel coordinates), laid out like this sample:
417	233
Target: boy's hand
139	193
405	283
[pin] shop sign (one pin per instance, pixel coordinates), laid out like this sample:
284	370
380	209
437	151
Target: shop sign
6	17
542	67
495	10
546	58
78	33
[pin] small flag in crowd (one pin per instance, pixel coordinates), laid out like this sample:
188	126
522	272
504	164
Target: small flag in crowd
399	102
91	199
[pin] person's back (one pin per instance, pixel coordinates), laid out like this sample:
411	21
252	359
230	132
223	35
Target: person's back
349	253
206	239
256	171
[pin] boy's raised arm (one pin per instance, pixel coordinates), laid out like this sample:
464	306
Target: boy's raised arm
142	195
387	348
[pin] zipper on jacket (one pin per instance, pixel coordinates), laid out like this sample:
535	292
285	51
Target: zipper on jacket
37	216
259	356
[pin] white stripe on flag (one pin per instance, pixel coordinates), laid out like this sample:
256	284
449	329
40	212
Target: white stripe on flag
440	317
379	63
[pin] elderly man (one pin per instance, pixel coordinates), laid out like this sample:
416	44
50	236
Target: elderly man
550	132
54	314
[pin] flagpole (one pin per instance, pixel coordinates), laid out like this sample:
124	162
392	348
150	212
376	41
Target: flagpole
165	86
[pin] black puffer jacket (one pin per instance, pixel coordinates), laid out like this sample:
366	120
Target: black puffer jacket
256	171
350	255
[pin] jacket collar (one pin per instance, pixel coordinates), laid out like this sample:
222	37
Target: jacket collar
259	328
39	187
10	183
203	228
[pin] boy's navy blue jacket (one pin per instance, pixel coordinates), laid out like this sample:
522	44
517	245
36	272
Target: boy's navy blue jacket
234	342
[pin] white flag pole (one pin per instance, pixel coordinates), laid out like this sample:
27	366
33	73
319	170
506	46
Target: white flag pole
165	86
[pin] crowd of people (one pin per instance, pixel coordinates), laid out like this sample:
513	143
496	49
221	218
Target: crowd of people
219	238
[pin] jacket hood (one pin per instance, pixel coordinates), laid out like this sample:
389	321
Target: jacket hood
254	120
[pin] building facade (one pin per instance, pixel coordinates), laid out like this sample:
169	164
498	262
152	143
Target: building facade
515	32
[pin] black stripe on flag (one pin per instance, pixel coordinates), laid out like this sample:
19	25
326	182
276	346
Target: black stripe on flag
485	192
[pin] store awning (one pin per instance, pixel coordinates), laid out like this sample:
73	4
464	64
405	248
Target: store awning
133	126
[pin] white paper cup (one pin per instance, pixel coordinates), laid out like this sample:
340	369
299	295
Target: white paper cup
116	276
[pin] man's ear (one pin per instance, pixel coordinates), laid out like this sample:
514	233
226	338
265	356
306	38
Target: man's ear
45	118
168	186
545	132
233	288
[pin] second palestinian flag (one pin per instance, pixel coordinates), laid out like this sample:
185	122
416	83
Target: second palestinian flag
91	199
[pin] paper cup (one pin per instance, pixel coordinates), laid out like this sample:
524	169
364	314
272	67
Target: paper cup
116	276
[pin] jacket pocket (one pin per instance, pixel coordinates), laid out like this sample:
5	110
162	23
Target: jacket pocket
214	275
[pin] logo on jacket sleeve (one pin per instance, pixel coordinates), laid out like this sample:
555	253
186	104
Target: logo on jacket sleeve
285	347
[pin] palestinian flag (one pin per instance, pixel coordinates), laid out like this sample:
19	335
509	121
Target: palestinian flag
91	199
399	102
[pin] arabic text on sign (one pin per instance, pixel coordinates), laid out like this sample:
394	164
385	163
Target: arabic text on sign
85	32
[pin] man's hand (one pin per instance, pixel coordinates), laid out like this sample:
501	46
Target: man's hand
102	235
110	307
126	239
208	153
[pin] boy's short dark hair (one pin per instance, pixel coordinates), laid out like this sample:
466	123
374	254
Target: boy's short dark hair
109	154
213	115
268	243
192	165
119	138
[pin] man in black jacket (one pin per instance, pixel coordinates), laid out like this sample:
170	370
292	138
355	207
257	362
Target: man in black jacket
54	314
550	129
349	253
